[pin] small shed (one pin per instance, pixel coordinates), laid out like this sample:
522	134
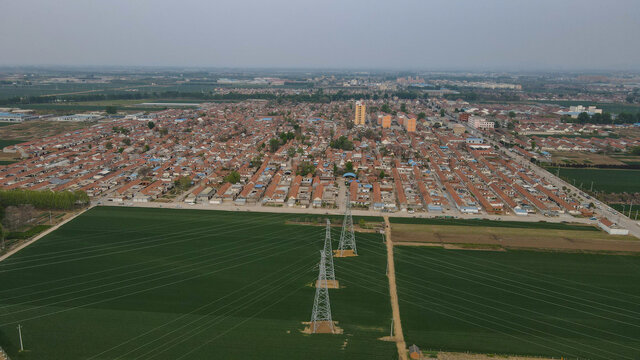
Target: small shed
414	352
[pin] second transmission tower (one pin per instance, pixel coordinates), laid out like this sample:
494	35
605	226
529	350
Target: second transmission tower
347	245
331	283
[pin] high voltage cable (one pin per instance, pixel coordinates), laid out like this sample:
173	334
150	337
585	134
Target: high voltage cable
256	282
421	296
215	246
422	286
151	288
102	247
172	270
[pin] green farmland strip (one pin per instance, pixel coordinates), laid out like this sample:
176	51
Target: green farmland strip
520	302
607	180
186	284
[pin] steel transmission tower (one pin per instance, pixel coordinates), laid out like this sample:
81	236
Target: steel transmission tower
347	237
328	253
321	307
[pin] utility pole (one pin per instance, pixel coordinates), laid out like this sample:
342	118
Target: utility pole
20	335
50	222
590	190
630	207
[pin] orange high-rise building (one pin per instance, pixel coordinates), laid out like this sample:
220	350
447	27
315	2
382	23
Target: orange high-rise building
386	121
361	113
410	124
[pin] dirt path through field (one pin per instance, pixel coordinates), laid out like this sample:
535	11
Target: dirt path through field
393	291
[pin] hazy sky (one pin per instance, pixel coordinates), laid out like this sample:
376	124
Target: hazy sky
412	34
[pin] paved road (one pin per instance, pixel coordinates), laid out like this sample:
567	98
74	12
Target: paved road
355	212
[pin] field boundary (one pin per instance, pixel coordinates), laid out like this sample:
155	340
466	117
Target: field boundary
43	234
393	292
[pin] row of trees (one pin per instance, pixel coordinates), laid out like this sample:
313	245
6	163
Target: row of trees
483	96
316	96
50	200
604	118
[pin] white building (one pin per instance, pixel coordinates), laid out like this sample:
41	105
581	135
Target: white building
611	228
14	117
589	110
477	122
78	117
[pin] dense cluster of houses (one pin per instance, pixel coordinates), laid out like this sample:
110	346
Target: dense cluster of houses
226	155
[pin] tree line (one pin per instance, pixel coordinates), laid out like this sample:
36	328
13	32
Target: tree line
315	97
49	200
604	118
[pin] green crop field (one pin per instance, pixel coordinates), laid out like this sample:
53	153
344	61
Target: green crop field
607	180
133	283
635	209
520	302
7	142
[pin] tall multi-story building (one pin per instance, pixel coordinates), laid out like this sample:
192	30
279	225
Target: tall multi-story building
410	124
361	113
407	121
384	120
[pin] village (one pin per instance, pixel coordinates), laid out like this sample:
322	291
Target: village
310	156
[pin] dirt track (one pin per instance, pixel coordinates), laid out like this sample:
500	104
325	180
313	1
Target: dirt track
463	356
545	239
395	307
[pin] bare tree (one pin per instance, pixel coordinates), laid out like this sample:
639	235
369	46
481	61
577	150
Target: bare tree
17	217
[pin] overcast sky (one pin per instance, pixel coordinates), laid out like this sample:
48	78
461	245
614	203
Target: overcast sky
410	34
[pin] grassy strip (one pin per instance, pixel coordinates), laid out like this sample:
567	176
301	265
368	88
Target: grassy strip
21	235
492	223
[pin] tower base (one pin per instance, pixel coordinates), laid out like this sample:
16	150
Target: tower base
323	327
344	253
331	284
